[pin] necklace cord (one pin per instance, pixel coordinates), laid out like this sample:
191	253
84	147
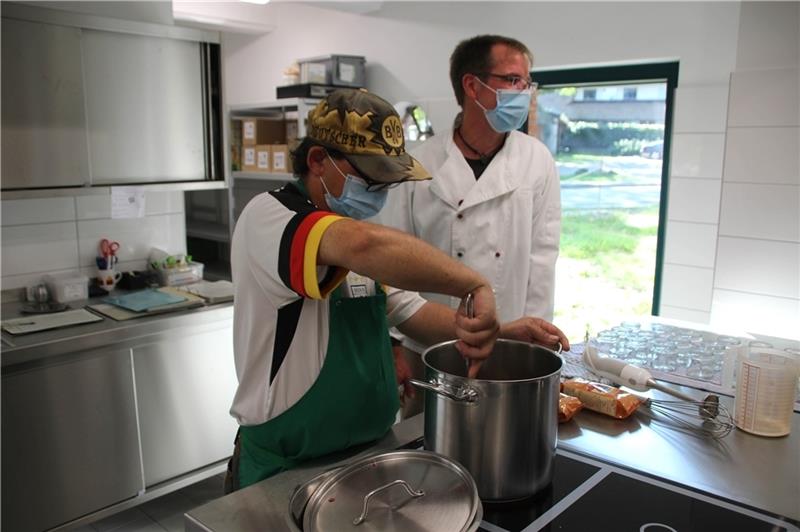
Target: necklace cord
484	157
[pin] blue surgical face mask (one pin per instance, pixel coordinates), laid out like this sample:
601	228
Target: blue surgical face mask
356	201
511	110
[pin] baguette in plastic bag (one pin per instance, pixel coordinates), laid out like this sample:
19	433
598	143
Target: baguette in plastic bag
601	398
568	406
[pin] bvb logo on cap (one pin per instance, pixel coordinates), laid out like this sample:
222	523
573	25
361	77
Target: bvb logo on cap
392	131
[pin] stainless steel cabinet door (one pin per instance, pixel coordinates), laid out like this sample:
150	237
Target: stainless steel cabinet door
70	443
185	388
43	113
145	111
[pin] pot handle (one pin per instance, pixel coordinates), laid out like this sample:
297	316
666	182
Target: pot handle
365	508
464	394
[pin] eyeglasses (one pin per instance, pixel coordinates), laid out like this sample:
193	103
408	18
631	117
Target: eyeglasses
513	80
372	185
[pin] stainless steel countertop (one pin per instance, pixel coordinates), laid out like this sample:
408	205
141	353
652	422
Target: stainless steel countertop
752	470
37	347
763	473
264	506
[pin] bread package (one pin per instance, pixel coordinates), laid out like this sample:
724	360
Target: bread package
601	398
568	406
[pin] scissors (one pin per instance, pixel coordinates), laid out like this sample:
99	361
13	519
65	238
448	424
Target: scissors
108	249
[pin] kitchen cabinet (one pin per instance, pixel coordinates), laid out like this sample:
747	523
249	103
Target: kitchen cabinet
184	387
43	114
70	439
144	108
211	215
91	102
101	417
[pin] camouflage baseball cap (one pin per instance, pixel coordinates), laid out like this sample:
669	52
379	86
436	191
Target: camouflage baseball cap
368	132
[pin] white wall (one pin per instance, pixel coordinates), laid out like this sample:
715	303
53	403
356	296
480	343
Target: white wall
408	44
757	271
61	234
718	44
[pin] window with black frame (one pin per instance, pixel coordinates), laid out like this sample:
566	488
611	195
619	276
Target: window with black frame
608	129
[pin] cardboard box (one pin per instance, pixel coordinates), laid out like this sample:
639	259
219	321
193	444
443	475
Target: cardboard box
263	158
249	159
281	160
257	131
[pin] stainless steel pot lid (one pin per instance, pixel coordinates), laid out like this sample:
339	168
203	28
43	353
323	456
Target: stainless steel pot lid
399	490
302	494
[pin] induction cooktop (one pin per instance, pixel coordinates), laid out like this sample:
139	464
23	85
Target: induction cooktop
588	495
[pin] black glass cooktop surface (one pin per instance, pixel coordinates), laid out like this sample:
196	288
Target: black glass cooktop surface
590	496
512	516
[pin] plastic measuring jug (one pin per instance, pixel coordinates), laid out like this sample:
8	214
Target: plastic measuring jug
766	386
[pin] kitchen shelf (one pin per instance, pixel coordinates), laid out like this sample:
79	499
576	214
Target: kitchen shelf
210	217
273	108
263	176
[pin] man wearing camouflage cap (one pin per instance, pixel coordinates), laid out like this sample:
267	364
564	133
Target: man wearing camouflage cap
316	291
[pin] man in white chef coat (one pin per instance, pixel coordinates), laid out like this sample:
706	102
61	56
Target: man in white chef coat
494	201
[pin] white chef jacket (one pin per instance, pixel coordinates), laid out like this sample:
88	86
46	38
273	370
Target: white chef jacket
506	225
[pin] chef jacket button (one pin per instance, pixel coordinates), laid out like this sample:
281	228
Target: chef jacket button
497	254
459	216
459	254
460	202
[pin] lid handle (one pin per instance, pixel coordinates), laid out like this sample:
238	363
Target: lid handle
365	508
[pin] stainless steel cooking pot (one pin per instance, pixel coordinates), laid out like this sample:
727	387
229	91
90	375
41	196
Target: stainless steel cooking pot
501	426
408	491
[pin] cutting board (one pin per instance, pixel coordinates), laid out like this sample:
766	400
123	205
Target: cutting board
43	322
144	300
212	292
120	314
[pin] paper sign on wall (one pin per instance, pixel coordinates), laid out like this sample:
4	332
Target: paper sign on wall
127	202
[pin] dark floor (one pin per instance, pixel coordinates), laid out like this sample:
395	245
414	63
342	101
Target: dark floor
163	513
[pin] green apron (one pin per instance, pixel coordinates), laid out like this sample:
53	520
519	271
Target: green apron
353	400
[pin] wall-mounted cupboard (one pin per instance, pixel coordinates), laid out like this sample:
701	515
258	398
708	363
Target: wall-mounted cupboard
89	101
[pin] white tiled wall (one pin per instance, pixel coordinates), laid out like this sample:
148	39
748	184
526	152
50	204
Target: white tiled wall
691	244
687	287
694	200
55	235
764	98
760	211
697	155
701	109
758	155
696	164
685	314
759	267
732	249
757	282
773	316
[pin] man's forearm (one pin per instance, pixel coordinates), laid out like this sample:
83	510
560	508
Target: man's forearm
396	258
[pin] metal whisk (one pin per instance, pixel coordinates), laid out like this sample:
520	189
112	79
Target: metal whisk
706	417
